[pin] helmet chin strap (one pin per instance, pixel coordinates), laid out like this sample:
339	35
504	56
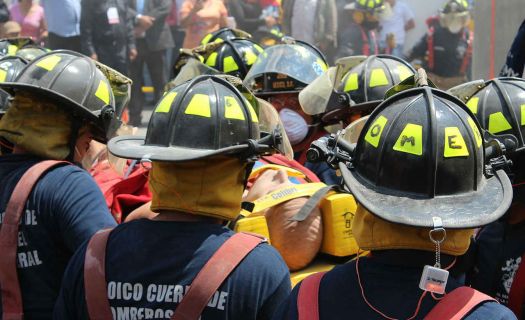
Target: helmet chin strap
75	127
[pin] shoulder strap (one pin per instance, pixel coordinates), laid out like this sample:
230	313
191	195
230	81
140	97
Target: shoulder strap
213	274
312	203
517	290
11	294
95	277
308	297
457	304
430	48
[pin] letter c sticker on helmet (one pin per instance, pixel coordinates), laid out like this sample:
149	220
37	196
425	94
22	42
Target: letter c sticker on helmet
373	136
232	109
165	104
199	106
455	145
410	140
498	123
472	104
477	134
49	63
103	92
378	78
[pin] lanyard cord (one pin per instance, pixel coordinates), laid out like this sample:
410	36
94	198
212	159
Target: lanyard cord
381	313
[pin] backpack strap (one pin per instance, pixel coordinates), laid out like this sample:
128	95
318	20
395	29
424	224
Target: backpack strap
213	274
457	304
430	48
95	277
11	294
517	290
308	297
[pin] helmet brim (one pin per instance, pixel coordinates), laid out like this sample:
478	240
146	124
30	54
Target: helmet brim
463	211
134	147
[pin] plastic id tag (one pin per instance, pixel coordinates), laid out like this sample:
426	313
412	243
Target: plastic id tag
433	279
113	17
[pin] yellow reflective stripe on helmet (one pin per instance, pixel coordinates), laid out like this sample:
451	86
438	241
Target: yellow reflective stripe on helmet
49	63
373	136
477	134
229	64
285	194
464	3
253	114
3	75
206	38
378	78
362	2
258	48
352	82
410	140
371	4
218	40
523	114
498	123
249	57
289	171
166	102
103	92
322	64
455	145
232	109
472	104
199	106
403	72
12	49
212	59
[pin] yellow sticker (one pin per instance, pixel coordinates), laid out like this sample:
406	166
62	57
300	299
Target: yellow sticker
166	102
103	92
11	50
477	134
323	65
403	72
523	114
249	57
212	59
371	4
49	63
376	129
199	106
218	40
498	123
472	104
3	75
258	48
229	64
352	82
410	140
206	38
253	114
454	143
232	109
378	78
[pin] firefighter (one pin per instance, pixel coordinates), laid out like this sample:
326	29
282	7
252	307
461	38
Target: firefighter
515	62
500	246
419	176
200	146
61	101
358	37
446	49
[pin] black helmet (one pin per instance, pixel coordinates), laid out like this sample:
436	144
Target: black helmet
454	15
368	82
31	52
285	68
366	5
420	158
224	34
234	57
9	47
10	68
72	81
204	117
455	6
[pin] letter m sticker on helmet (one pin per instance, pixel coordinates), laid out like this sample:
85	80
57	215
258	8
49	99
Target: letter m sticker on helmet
49	63
373	136
455	145
410	140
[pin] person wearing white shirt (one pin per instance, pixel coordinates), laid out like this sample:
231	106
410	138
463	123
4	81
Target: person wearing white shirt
397	20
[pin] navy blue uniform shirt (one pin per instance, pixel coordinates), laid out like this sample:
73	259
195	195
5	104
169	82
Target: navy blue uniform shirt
150	264
65	208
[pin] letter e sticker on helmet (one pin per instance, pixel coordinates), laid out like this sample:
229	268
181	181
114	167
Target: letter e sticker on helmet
498	123
477	134
454	143
410	140
165	104
376	129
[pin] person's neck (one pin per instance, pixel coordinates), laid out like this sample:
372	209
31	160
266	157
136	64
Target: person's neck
25	6
185	217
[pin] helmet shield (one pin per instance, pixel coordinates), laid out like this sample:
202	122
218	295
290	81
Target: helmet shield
287	67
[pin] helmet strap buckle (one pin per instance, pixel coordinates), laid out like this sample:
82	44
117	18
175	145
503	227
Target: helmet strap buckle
433	278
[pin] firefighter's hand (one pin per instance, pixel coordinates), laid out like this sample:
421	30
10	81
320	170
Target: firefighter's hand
133	54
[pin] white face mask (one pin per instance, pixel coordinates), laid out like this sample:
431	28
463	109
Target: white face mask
295	126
